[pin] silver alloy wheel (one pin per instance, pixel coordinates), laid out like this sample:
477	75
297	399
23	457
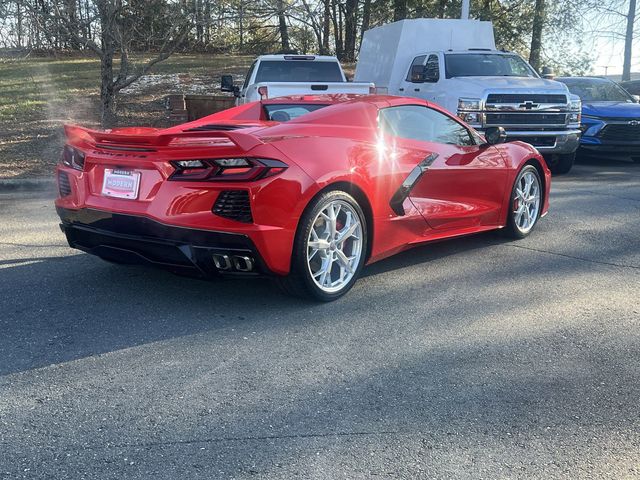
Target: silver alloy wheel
526	203
334	246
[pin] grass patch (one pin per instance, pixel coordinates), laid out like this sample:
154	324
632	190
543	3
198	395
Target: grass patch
39	95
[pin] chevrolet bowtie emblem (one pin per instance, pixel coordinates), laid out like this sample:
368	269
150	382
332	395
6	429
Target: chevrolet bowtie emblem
528	105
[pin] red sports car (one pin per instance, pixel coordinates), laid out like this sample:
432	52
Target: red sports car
304	189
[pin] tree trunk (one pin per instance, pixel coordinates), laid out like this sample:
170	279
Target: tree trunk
107	93
326	27
536	35
241	26
19	24
366	18
399	10
337	28
70	9
350	30
197	10
107	96
207	22
628	41
282	27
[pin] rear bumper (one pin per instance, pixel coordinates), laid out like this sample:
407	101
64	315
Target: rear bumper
135	239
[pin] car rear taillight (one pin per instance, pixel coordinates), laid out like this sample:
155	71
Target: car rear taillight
72	157
240	169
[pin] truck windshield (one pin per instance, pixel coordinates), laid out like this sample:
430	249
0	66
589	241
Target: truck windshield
594	90
298	71
486	65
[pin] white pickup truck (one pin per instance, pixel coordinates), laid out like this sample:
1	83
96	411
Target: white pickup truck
455	64
272	76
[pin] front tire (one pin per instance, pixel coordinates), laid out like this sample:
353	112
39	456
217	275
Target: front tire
329	249
525	204
562	163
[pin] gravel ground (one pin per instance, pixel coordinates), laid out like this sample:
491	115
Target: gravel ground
473	358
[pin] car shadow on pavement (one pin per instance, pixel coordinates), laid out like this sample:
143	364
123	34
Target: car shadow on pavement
60	309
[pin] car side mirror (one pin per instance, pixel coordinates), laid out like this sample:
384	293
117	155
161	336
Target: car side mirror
495	135
226	84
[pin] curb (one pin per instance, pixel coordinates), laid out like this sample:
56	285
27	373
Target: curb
29	184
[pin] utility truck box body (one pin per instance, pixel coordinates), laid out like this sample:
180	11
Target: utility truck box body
455	64
387	51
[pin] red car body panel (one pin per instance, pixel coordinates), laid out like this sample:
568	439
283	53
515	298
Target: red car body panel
465	190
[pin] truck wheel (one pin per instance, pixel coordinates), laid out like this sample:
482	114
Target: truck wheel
560	164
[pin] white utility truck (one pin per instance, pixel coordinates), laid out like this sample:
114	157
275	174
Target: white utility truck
272	76
455	64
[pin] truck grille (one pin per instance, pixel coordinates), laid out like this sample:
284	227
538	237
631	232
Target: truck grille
503	119
524	97
620	132
525	109
234	204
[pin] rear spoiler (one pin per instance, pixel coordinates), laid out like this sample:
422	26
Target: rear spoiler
140	138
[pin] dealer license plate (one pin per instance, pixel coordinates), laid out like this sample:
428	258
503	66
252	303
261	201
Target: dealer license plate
121	183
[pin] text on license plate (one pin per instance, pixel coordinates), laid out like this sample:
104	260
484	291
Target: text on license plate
121	183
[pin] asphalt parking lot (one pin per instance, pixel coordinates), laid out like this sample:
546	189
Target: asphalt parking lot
474	358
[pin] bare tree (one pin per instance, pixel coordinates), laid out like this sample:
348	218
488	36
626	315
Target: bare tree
115	40
628	41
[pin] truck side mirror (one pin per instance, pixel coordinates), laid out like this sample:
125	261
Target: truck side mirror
495	135
226	83
417	74
430	74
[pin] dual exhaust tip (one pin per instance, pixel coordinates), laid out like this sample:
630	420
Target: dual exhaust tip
239	263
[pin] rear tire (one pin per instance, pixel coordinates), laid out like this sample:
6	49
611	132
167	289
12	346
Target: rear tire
561	163
525	203
329	249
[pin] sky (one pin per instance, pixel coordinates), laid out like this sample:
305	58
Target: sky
608	47
609	56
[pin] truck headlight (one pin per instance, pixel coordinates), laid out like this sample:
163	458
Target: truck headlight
575	109
575	105
468	104
574	117
472	118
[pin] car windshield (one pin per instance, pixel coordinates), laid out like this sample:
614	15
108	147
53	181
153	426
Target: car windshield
486	65
286	112
298	71
595	90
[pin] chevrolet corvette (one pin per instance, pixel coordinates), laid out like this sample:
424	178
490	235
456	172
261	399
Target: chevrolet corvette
306	190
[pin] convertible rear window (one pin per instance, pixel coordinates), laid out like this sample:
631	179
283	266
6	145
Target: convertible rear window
286	112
